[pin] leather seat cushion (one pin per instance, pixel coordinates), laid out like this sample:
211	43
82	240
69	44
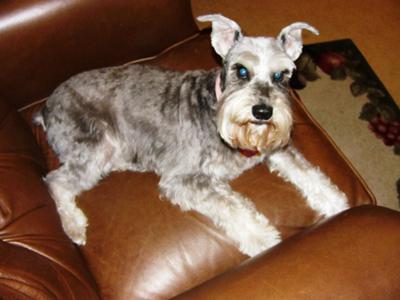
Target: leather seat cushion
144	247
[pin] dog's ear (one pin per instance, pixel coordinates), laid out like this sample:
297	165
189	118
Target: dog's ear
225	33
290	38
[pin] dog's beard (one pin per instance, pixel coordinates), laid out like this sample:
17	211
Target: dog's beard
239	129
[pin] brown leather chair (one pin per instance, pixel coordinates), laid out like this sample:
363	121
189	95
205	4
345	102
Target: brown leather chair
142	247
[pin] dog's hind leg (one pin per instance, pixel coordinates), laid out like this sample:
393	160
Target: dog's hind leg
64	188
78	173
229	210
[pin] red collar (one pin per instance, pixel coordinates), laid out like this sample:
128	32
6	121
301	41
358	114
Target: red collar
248	153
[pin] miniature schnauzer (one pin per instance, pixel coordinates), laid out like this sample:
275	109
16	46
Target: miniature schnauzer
197	130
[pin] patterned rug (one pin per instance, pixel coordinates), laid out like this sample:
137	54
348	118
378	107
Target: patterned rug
343	93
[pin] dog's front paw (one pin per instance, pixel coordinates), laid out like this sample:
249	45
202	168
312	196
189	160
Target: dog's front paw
255	235
74	224
337	205
256	243
330	201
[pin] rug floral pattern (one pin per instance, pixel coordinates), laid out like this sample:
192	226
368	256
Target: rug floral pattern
341	60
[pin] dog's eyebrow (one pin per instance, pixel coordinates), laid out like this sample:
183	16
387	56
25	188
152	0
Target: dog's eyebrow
247	56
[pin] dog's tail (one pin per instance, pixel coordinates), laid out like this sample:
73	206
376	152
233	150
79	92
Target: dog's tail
39	118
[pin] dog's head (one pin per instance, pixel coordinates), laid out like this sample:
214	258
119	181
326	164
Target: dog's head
253	105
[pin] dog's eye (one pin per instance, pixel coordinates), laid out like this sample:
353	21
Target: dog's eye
277	76
242	72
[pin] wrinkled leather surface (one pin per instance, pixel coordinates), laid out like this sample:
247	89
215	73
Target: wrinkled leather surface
36	258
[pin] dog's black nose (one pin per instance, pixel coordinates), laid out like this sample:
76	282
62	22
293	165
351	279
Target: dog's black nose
262	112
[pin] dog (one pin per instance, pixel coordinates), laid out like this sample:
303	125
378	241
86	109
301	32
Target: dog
197	130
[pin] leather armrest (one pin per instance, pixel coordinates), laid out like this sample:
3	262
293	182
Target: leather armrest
355	255
25	274
43	42
37	260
